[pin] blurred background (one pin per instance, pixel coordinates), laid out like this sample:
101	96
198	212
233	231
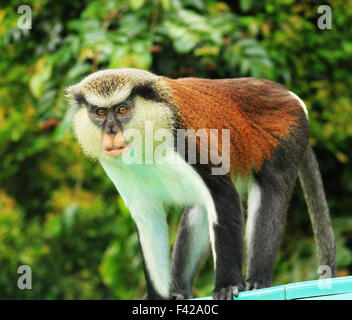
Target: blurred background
61	215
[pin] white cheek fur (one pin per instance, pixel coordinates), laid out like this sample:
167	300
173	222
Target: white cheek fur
156	112
88	135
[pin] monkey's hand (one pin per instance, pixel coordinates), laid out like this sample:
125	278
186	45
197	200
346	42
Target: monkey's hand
227	293
177	296
254	285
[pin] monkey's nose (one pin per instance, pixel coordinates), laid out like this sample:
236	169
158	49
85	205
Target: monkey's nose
114	145
107	141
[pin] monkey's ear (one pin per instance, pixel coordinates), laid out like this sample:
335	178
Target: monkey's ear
70	93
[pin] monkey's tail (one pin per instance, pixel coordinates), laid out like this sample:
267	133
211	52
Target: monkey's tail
314	194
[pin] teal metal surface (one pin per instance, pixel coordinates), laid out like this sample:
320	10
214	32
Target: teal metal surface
273	293
343	296
315	288
325	289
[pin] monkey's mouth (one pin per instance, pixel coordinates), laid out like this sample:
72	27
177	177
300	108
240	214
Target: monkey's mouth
115	151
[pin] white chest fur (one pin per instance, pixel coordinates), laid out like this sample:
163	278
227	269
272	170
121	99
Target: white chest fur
145	189
158	184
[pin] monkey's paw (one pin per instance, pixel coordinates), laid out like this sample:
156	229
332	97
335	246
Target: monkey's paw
177	296
254	285
227	293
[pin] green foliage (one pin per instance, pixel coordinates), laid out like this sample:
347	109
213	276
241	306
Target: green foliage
60	214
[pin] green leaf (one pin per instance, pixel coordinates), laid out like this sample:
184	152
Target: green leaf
64	126
136	4
78	70
39	79
166	4
246	5
254	51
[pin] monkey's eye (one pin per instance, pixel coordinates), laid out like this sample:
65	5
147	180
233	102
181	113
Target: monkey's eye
121	110
100	112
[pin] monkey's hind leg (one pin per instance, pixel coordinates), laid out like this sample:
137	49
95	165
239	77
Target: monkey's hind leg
192	244
268	200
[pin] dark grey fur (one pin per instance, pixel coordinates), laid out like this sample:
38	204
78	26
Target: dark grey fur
181	283
314	194
276	180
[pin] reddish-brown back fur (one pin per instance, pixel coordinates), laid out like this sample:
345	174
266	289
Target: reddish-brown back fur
258	112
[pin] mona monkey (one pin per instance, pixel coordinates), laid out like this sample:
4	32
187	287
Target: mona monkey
268	147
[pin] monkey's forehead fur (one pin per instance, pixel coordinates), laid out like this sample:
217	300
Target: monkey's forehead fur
107	82
261	114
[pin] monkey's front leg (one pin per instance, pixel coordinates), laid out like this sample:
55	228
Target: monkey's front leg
227	239
154	241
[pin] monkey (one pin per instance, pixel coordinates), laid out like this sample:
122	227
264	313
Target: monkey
263	144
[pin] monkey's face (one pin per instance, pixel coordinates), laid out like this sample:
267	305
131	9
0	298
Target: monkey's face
111	120
108	104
